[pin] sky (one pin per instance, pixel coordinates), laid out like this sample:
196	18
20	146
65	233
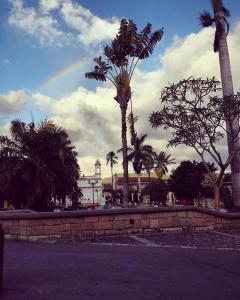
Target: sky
48	45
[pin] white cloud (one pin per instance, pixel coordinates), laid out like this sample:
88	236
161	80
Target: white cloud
44	27
91	28
12	102
59	23
49	5
93	117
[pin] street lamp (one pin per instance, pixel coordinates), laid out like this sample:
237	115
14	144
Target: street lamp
93	182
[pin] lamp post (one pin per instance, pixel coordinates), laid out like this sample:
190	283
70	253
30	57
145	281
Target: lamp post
93	182
97	195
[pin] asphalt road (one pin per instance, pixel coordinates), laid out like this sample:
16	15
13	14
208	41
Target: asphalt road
90	271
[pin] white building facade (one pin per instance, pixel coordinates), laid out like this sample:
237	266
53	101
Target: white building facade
91	187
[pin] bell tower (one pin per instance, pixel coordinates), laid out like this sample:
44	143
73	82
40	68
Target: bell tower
98	168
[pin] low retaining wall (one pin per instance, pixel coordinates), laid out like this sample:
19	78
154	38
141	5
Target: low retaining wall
63	225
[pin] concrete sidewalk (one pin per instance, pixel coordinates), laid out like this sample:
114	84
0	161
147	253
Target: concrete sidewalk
84	271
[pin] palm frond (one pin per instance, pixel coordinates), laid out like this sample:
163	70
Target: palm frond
95	75
206	19
154	39
226	12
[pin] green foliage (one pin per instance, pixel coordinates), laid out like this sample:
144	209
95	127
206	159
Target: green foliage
36	164
207	20
139	153
186	180
158	191
111	158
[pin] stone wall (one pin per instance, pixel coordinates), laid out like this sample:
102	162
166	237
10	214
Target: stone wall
63	225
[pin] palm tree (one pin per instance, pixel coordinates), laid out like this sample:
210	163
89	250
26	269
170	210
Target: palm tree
138	155
37	163
220	46
148	165
162	160
111	158
120	60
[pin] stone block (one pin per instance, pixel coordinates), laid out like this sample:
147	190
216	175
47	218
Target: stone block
36	238
23	238
51	222
184	222
190	214
64	227
91	219
154	223
51	230
99	232
154	215
197	221
135	216
10	236
37	230
145	223
25	222
37	222
86	234
103	225
118	224
122	217
104	218
182	213
176	221
13	230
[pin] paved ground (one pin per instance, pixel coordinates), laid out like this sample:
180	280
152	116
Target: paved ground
155	266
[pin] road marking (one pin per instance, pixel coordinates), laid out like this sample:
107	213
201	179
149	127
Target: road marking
225	234
144	241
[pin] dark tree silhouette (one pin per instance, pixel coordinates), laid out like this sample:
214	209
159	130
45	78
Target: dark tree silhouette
36	164
196	118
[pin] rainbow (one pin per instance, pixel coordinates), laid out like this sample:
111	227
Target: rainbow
66	71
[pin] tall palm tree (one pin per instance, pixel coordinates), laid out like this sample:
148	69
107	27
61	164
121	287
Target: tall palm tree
162	160
220	46
37	163
120	60
111	158
138	155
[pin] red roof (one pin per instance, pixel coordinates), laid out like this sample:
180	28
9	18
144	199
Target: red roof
97	163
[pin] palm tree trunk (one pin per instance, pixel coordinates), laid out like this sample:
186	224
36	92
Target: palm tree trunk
125	158
139	182
112	176
227	86
113	195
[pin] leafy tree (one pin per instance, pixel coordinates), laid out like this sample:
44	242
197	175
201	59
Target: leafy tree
120	60
36	164
111	158
138	154
196	117
162	160
186	180
158	191
220	46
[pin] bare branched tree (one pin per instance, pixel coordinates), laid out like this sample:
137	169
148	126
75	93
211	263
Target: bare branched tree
197	118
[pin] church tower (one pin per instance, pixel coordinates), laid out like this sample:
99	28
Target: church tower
97	168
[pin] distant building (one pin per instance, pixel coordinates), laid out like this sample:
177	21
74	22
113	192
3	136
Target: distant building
132	181
91	187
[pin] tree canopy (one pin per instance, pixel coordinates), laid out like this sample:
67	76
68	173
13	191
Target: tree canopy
37	163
